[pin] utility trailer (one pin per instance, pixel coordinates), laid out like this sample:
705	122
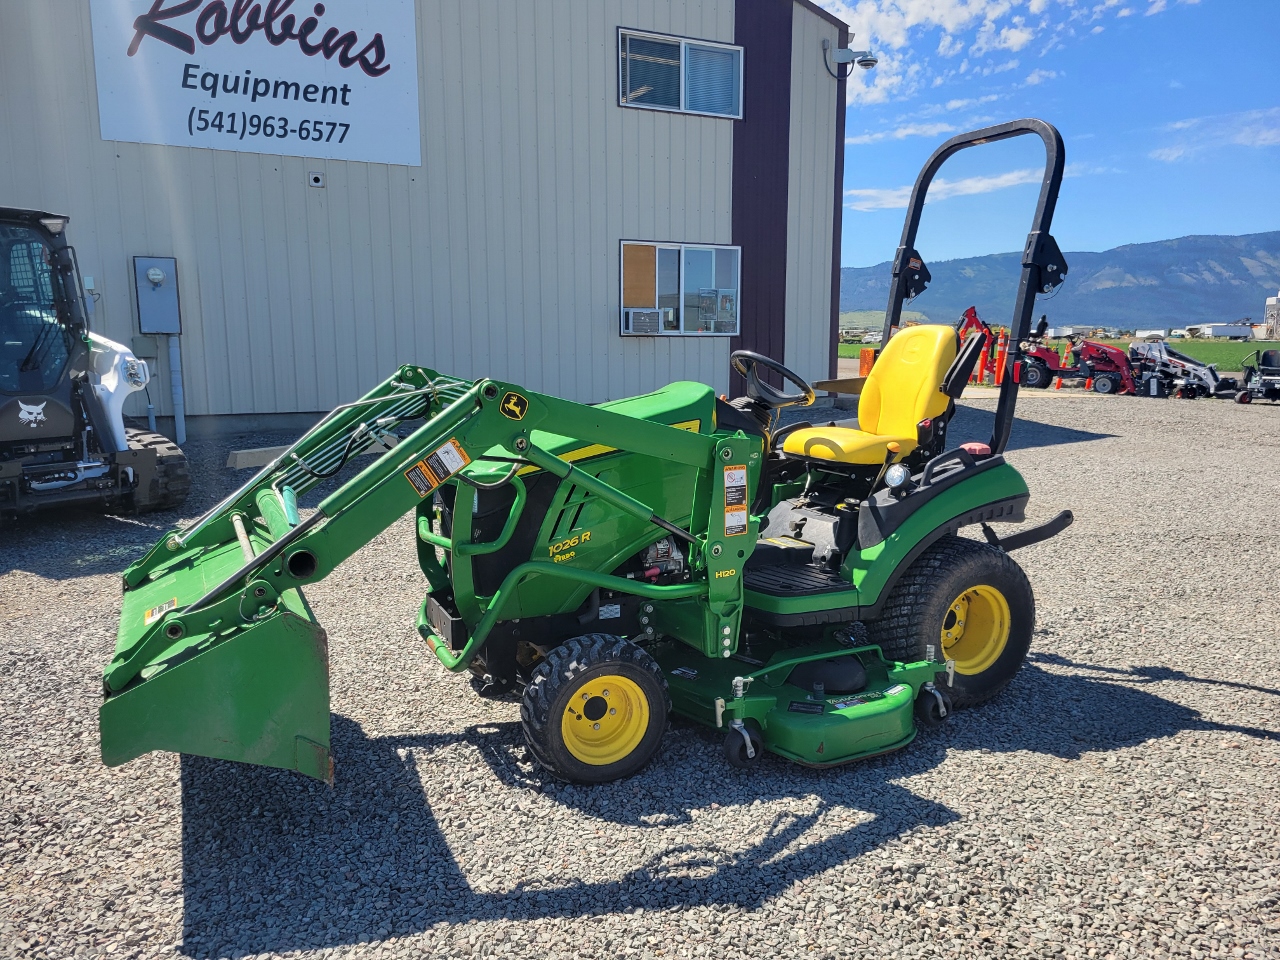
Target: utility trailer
611	564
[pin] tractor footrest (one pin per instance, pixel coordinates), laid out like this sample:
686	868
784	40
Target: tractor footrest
793	579
445	622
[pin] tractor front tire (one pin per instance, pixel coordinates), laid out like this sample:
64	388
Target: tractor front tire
1106	383
1036	376
595	709
1244	396
169	486
965	601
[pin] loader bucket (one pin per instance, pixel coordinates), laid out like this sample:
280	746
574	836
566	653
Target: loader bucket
254	690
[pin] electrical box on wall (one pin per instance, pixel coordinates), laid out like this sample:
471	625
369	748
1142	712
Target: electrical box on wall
156	282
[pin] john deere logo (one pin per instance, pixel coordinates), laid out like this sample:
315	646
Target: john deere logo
514	406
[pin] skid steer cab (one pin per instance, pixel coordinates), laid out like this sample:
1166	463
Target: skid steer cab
63	438
800	589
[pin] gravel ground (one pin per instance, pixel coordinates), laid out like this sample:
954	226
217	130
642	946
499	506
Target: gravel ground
1120	799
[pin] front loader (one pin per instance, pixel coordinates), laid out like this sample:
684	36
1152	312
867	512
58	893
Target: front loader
614	563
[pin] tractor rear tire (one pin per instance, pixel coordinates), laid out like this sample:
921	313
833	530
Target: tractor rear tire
1036	376
595	709
169	487
955	580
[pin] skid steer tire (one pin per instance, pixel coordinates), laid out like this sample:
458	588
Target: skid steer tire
595	709
170	484
956	580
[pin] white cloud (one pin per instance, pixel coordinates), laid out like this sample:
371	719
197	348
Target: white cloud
894	29
962	104
903	132
1037	77
896	198
1097	29
1250	128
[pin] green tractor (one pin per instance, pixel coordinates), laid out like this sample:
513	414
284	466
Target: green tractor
614	563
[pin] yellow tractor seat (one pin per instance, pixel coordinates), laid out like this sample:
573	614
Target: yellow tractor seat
903	389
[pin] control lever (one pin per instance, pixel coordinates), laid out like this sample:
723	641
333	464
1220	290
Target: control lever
893	448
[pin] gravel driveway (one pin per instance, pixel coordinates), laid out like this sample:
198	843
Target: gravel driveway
1120	799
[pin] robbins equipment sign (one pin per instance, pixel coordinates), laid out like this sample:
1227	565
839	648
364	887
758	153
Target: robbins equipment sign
337	79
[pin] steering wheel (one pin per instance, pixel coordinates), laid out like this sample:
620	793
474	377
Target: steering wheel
745	361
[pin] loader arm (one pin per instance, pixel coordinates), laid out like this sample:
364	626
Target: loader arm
226	590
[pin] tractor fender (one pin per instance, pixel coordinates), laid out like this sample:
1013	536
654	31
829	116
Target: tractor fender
974	493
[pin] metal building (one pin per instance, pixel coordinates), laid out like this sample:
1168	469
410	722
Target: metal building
587	197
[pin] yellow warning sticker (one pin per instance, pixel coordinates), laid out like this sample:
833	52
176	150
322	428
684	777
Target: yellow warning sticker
735	521
437	467
155	613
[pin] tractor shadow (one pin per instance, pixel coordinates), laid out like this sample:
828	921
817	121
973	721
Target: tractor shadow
972	423
274	863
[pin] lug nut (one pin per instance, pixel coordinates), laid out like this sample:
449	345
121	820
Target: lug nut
612	711
595	726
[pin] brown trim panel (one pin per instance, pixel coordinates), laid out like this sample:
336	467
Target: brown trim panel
761	164
837	225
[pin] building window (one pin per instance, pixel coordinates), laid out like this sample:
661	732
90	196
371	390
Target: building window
671	73
679	289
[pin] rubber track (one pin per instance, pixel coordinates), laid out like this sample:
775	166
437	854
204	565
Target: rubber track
561	667
172	482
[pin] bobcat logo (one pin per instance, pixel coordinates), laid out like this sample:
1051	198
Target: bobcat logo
32	416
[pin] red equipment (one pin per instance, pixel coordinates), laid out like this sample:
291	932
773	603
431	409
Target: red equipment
1108	366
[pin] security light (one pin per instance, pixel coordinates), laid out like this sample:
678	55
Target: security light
54	225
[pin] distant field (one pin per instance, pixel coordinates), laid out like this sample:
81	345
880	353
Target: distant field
1226	354
874	319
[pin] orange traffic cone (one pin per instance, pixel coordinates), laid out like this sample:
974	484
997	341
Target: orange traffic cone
1088	383
1057	384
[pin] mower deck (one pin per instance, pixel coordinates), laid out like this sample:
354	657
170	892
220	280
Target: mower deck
822	729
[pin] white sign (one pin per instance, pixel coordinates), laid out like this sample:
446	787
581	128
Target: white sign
336	79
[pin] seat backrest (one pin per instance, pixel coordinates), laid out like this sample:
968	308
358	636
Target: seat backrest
1269	358
904	386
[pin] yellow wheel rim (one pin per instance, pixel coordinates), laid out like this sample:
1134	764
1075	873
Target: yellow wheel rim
975	629
605	720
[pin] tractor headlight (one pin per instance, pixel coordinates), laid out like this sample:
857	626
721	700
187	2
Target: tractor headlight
897	477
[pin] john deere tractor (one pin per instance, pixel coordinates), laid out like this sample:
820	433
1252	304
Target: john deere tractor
612	564
63	438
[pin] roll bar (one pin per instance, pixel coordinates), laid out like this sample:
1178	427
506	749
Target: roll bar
1043	266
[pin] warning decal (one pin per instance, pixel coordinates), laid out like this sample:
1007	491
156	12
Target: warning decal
422	478
155	613
439	466
735	500
447	460
735	521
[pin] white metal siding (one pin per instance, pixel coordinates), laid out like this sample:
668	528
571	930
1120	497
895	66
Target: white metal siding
497	257
810	196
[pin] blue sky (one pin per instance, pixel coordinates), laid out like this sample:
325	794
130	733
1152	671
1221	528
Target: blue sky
1170	110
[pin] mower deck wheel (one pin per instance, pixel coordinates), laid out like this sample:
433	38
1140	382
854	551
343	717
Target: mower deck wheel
595	709
965	601
735	748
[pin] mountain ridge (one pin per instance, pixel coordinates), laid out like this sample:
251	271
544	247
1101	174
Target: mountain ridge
1199	278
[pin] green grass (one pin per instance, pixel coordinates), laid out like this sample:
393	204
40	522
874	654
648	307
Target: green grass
1227	354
